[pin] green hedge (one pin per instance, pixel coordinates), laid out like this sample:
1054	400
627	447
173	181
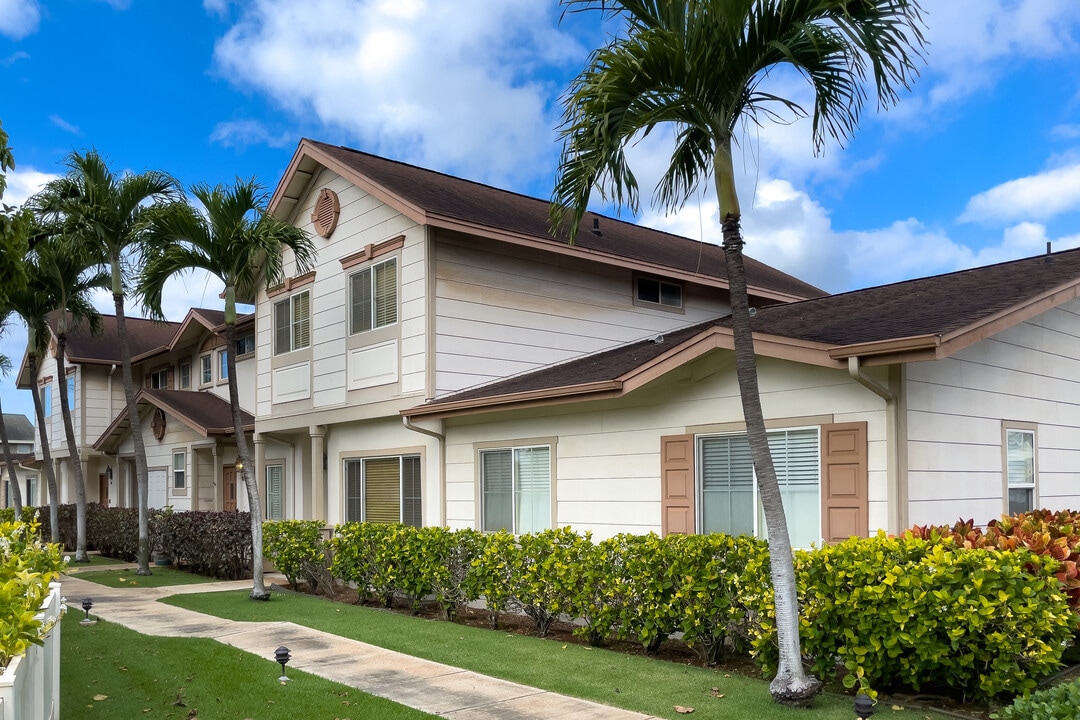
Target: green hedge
1061	702
27	566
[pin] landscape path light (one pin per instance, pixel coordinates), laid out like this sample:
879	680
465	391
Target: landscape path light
282	657
87	603
864	706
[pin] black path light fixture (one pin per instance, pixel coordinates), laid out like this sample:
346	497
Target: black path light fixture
87	603
281	655
864	706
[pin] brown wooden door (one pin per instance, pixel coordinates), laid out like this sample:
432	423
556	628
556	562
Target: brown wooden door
103	489
677	484
228	481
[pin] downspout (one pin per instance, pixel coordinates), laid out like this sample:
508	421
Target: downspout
895	439
442	463
111	371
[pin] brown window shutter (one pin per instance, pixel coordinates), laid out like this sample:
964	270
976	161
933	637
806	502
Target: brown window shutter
169	382
146	380
844	479
677	484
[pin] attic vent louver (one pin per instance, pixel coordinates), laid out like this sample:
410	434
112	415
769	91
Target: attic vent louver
325	214
596	226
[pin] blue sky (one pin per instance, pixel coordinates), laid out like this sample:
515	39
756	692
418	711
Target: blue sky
979	163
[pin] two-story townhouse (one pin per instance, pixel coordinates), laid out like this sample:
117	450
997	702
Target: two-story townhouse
185	418
20	432
427	284
448	362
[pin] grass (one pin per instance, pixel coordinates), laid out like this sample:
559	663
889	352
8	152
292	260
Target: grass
95	562
126	577
648	686
108	671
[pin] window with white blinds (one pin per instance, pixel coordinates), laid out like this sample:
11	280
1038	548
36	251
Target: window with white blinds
179	470
384	490
729	497
373	296
1020	469
292	323
516	489
275	492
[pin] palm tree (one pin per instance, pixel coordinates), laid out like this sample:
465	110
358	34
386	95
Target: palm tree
34	306
701	65
13	224
234	239
9	462
107	211
65	274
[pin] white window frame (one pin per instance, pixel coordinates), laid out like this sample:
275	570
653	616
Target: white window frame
297	329
30	499
206	369
369	277
179	473
515	487
223	365
46	399
185	375
248	339
161	376
410	506
759	529
1012	450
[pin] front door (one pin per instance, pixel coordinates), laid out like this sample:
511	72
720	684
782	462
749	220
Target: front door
228	481
103	489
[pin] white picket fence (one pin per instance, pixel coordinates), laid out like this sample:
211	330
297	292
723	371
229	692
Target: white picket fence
30	685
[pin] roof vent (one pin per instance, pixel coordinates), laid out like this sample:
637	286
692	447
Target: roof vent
656	340
325	214
1048	258
596	226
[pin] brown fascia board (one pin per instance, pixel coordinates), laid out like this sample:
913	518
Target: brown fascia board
421	217
143	399
891	346
242	321
693	348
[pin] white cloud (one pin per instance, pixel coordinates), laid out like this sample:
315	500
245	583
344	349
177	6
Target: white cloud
1038	197
19	18
242	133
64	125
447	85
24	182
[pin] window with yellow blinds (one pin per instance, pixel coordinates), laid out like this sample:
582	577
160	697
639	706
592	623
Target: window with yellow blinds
383	490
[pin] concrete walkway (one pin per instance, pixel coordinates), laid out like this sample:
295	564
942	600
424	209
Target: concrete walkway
438	689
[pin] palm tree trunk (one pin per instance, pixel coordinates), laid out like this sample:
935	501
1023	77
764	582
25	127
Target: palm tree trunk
73	451
791	686
258	588
141	475
46	453
13	479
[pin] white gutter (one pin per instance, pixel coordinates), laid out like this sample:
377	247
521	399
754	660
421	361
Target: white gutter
442	462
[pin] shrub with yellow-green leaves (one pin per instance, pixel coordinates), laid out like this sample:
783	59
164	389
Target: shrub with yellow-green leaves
494	574
358	559
642	588
545	575
451	554
27	566
297	549
914	613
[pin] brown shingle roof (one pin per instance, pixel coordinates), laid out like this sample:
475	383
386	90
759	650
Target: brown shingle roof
446	196
144	336
19	428
935	306
203	412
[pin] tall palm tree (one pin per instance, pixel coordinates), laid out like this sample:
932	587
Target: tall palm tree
13	225
15	496
33	306
701	65
64	273
108	211
234	239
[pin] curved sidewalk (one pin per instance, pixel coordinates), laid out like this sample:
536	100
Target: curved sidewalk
429	686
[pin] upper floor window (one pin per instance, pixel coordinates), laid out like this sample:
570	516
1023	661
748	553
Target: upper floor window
292	323
653	291
46	400
71	391
383	490
373	296
185	376
245	345
223	365
160	378
206	370
515	489
1020	469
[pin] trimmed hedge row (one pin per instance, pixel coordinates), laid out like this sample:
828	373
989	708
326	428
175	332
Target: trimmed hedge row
1061	702
888	613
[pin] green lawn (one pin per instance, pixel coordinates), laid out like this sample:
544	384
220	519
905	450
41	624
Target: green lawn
110	672
126	577
96	561
642	684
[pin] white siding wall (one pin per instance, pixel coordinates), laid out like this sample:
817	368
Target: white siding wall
506	310
364	220
1029	373
607	458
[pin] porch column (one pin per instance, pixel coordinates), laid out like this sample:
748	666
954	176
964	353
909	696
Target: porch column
318	472
219	500
260	465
